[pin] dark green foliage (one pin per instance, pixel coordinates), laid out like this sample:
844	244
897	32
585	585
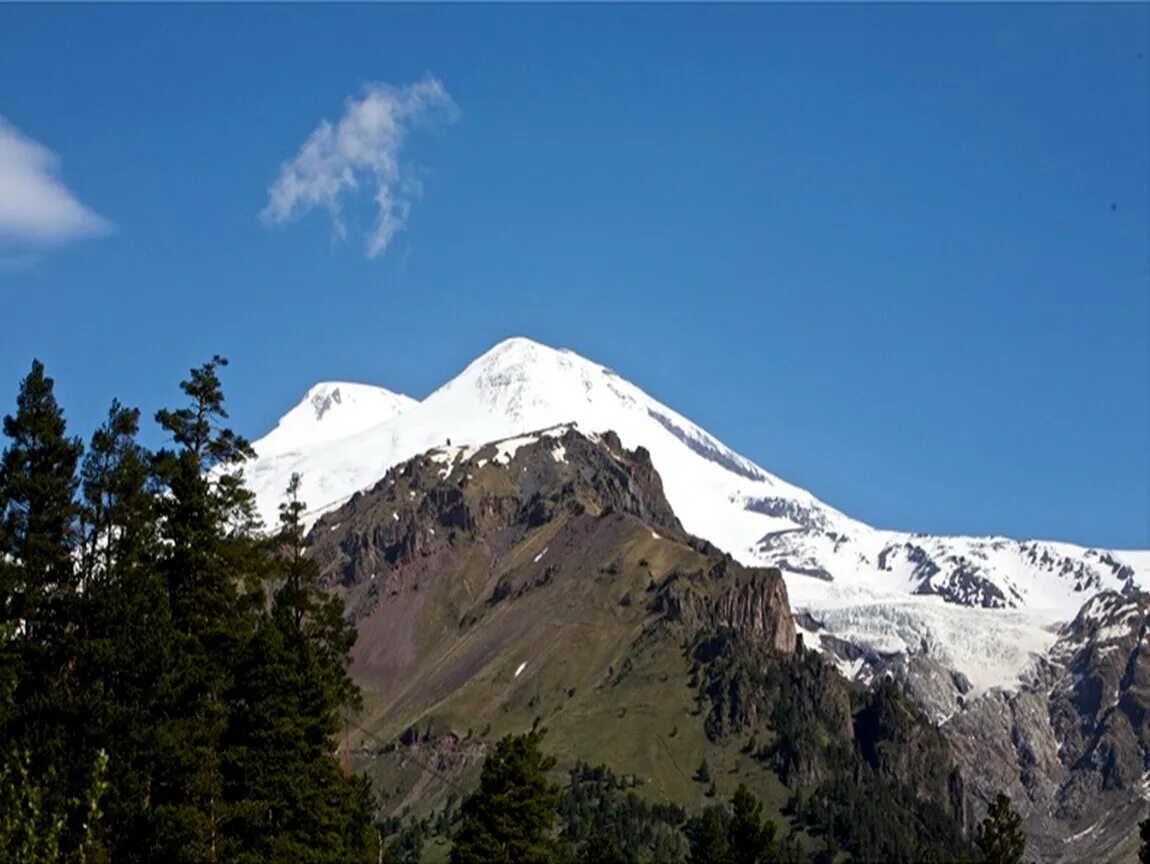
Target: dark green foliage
879	775
800	696
38	479
999	837
1144	852
735	835
206	512
876	819
170	680
708	835
890	796
117	508
791	850
600	848
752	840
600	815
287	691
312	617
127	651
39	606
895	739
206	557
31	830
509	818
405	841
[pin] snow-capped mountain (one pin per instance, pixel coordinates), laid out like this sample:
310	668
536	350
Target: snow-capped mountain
984	604
331	411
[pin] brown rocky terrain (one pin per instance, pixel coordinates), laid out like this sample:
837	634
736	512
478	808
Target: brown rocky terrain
1072	745
546	580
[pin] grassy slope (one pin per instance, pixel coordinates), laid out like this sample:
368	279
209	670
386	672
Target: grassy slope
607	686
610	683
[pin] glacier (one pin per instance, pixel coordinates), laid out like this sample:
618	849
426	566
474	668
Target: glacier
986	606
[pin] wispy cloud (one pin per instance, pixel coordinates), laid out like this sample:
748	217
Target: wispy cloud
362	149
36	208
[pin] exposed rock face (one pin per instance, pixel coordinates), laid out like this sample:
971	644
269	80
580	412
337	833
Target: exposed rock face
425	508
1072	745
930	684
751	603
895	739
499	492
546	577
752	607
966	571
483	528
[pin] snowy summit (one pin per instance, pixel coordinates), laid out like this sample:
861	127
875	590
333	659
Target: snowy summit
982	605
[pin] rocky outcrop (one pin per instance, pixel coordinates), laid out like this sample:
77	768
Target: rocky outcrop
628	482
421	506
434	504
756	607
931	685
1072	745
547	577
899	742
751	603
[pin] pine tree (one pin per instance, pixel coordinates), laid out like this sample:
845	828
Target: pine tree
38	479
708	836
129	645
752	840
1144	852
509	818
32	828
291	802
306	610
600	848
703	772
117	509
206	518
170	681
999	836
207	512
43	723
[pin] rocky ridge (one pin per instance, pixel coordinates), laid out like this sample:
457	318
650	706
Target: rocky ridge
964	622
1071	744
471	571
983	602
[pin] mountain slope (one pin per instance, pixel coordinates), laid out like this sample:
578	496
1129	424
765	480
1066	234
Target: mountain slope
1072	745
887	590
546	579
473	573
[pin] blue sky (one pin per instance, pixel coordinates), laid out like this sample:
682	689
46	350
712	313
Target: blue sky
896	254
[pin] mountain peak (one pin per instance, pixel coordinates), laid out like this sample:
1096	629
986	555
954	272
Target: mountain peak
519	345
883	588
326	395
331	410
523	360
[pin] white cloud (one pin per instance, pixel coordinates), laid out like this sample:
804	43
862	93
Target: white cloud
362	148
35	206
